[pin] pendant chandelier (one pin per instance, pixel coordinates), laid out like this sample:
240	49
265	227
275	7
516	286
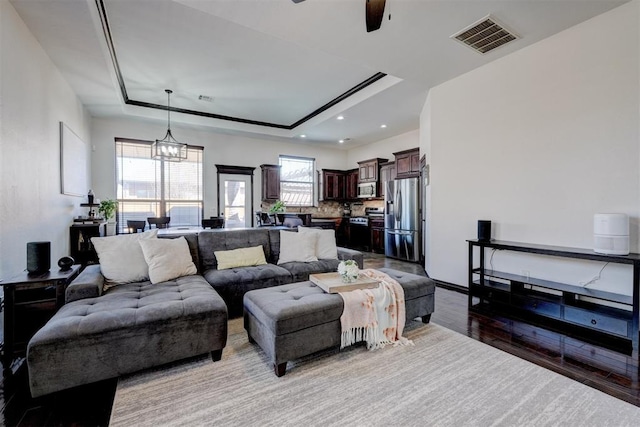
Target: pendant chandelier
168	148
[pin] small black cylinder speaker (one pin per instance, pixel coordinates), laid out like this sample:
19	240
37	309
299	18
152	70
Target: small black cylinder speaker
484	230
38	257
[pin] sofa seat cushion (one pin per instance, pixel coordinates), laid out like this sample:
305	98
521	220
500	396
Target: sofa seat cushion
414	286
232	283
301	270
293	307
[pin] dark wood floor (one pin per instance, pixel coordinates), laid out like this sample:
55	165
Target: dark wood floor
609	371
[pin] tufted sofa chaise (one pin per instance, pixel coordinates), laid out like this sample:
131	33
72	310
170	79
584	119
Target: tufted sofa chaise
100	334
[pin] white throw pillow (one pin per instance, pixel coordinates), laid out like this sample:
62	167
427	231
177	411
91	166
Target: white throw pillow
121	258
297	247
326	246
167	258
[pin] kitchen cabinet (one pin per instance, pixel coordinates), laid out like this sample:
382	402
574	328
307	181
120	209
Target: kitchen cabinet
334	184
408	163
343	232
270	182
387	173
351	192
339	185
368	170
377	235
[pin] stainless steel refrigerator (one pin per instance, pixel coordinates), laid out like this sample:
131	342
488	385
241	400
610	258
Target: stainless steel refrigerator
402	219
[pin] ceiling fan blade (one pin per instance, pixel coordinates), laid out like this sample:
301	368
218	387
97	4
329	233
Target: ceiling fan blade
374	13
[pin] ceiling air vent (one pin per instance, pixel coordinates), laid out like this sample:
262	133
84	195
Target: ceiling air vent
205	98
485	35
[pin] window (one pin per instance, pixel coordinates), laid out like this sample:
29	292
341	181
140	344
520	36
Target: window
296	180
151	188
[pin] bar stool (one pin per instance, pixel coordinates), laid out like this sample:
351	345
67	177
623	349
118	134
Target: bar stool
159	222
136	226
213	223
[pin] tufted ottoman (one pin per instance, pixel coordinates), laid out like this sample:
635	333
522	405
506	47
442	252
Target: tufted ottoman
130	327
295	320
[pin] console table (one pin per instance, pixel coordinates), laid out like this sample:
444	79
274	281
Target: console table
560	305
29	302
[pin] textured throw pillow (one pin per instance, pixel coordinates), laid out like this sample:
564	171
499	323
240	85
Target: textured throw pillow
299	247
121	258
326	245
167	258
242	257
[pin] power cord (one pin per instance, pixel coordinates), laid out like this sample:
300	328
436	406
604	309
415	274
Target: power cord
595	278
491	258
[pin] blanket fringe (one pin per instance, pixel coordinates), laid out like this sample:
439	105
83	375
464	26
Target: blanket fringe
371	336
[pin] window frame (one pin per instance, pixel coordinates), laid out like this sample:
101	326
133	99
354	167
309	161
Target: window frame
161	201
312	166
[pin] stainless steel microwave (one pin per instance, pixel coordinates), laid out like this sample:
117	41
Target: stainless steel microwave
367	190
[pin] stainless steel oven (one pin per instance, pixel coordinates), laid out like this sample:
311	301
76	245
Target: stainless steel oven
367	190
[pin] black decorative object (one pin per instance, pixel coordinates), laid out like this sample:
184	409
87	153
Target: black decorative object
65	263
38	257
484	230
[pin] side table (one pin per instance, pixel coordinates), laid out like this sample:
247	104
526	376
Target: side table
29	302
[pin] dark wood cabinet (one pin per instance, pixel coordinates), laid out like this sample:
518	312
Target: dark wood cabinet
387	173
270	182
343	233
407	163
333	184
29	302
80	247
369	170
377	235
351	192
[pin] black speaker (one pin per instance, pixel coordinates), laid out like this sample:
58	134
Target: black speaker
65	263
38	257
484	230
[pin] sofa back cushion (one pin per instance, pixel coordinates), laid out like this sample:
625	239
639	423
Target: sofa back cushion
210	241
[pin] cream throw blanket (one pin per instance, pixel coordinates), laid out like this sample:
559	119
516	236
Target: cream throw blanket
376	316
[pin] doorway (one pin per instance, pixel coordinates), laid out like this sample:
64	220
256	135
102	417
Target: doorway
235	196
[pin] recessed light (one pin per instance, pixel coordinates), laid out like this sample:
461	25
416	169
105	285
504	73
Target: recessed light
303	136
340	118
383	126
341	141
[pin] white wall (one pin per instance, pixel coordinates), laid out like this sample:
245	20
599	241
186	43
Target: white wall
383	149
219	148
538	142
34	99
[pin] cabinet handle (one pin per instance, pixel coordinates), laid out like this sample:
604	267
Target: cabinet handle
594	321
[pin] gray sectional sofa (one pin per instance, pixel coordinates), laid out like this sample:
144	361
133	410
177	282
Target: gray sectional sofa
100	334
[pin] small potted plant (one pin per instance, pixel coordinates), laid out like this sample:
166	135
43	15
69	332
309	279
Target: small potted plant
278	207
107	209
277	210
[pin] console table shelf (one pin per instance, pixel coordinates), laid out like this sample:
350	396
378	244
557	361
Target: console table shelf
563	305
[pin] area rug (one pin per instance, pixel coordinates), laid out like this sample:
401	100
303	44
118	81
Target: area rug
445	379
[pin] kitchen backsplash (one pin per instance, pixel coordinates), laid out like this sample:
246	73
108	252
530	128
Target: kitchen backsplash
328	209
